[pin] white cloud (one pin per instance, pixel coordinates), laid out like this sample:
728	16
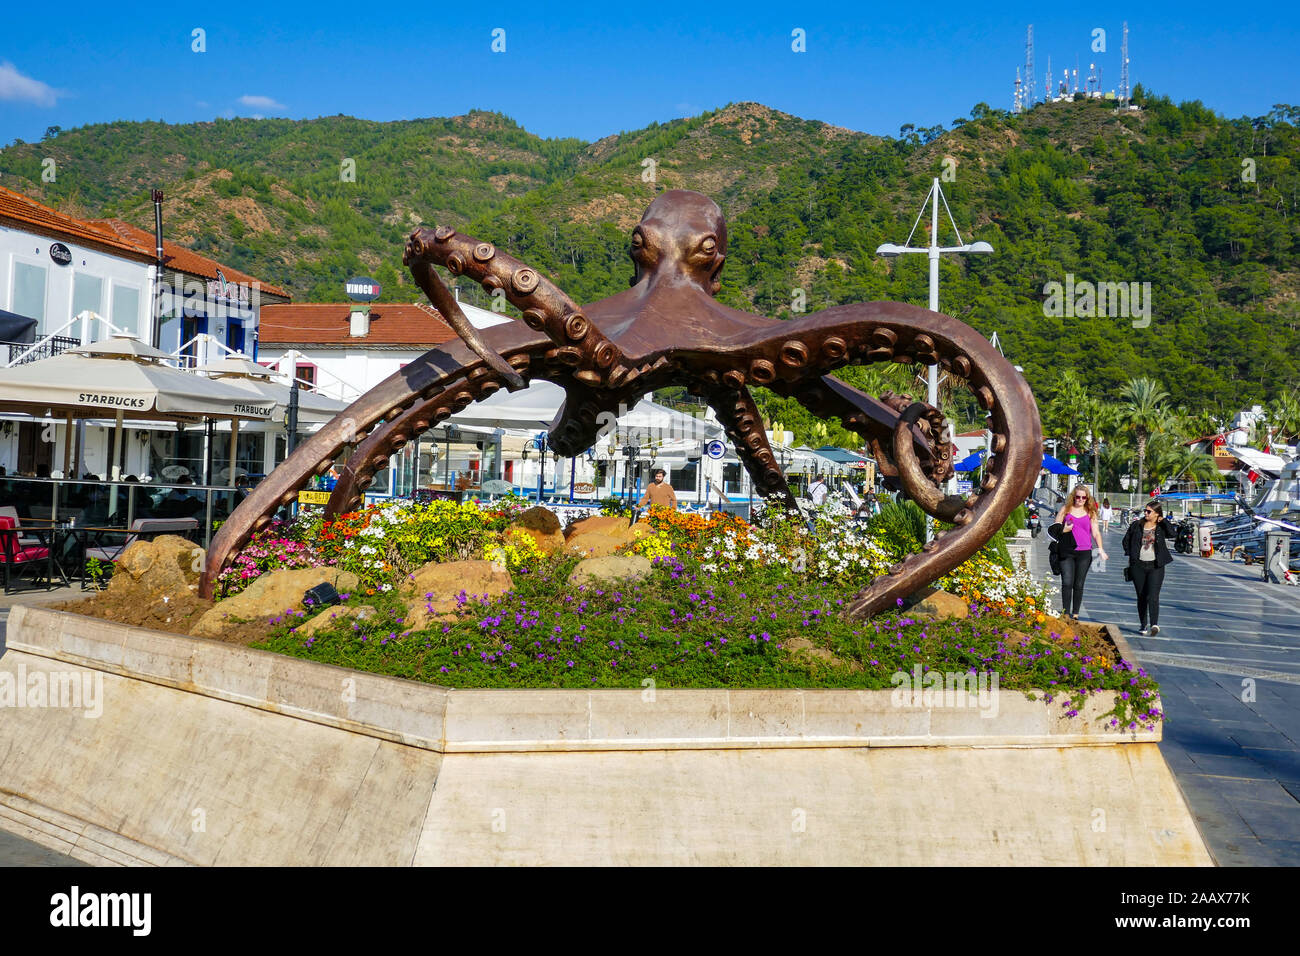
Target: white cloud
261	102
15	86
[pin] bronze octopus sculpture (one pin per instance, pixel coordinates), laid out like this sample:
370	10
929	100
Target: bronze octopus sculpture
667	329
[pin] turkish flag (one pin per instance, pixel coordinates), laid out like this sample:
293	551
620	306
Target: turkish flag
1252	476
1220	441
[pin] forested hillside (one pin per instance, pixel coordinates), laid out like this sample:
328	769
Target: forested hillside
1201	207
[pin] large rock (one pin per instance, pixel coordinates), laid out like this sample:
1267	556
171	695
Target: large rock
434	590
154	585
167	565
542	526
270	596
602	535
940	606
618	567
332	615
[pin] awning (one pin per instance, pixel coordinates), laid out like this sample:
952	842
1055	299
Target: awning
122	377
1270	465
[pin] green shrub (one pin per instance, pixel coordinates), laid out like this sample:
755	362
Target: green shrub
900	528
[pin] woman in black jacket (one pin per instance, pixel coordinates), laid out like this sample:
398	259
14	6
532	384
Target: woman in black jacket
1144	543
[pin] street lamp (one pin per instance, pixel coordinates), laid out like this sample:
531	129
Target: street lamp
934	251
538	442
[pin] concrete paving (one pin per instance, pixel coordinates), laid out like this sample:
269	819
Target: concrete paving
1228	661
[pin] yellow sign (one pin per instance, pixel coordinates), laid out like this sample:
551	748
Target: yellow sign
313	497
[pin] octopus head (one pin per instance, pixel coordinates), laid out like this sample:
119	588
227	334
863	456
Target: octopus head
681	239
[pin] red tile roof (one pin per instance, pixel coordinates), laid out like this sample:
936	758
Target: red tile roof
182	259
329	323
38	218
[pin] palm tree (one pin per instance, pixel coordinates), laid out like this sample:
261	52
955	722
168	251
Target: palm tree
1143	410
1099	418
1284	415
1063	412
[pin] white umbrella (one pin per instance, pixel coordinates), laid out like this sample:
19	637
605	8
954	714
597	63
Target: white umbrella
239	371
125	377
532	408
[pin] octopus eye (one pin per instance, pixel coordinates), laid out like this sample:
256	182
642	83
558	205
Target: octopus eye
638	240
709	245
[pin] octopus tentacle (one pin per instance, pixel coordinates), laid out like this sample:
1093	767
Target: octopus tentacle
739	416
795	354
418	383
915	481
582	346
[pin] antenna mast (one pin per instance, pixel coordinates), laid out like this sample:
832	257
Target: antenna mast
1029	67
1123	68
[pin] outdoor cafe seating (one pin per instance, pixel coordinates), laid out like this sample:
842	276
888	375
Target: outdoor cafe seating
20	559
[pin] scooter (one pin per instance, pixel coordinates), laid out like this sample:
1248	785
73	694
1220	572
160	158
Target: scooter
1035	522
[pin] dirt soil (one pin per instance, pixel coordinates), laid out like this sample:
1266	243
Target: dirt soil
176	615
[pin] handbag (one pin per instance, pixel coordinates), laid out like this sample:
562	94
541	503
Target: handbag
1128	573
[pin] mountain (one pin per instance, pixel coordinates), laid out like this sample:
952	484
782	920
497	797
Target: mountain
1198	209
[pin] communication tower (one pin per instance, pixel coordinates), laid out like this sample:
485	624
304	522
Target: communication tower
1029	67
1123	68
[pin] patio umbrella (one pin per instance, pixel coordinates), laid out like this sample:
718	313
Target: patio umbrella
239	371
126	378
1053	465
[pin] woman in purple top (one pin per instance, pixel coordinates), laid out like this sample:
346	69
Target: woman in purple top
1078	520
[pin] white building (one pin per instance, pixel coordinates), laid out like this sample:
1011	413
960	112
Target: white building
59	271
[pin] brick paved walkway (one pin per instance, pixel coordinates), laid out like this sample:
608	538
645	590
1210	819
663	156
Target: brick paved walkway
1228	661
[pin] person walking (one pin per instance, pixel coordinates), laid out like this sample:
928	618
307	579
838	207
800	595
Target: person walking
1105	514
659	494
818	491
1144	543
1078	521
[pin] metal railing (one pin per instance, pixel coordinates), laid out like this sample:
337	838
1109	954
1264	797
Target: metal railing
110	504
42	347
48	347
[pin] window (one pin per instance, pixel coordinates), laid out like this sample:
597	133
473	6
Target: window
684	479
29	294
306	373
191	326
126	308
88	296
731	482
235	336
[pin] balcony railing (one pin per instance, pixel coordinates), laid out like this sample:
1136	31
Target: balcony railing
18	353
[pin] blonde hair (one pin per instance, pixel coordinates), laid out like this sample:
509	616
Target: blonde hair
1090	504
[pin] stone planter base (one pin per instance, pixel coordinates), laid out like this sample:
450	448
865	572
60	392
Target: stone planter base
185	751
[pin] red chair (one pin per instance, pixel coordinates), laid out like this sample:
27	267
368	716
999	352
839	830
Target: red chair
15	555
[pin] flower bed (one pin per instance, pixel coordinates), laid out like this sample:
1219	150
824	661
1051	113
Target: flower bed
726	603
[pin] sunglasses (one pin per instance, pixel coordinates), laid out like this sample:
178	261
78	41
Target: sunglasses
1147	511
1080	497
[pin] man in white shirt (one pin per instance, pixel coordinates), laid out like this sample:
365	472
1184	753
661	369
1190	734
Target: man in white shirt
818	491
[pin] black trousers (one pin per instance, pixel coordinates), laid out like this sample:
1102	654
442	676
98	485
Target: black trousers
1074	568
1147	579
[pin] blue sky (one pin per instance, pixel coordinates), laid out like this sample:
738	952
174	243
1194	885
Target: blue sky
591	70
